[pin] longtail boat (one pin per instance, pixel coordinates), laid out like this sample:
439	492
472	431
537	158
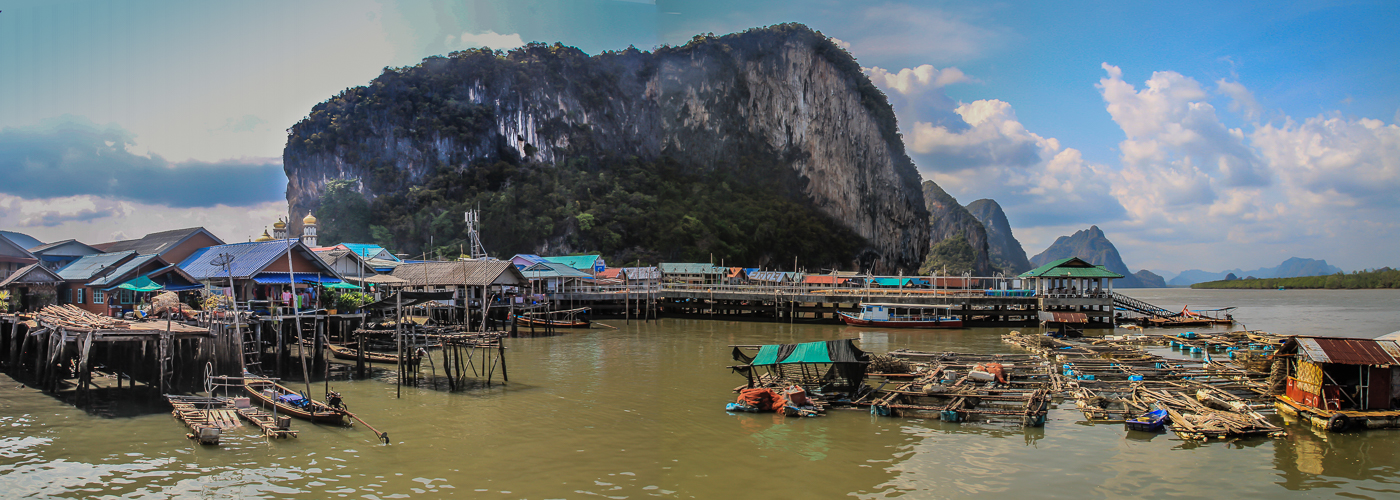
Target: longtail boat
342	352
903	316
286	401
556	323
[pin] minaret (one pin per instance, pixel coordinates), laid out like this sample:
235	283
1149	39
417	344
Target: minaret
308	230
279	230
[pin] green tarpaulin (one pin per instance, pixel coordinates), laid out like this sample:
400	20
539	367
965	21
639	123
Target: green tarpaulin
343	285
811	352
141	284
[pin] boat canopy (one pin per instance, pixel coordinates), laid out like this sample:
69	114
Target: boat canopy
848	361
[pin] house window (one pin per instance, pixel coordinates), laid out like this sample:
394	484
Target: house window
127	296
78	296
67	295
97	297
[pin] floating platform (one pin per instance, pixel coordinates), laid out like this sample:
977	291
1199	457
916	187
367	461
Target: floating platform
207	418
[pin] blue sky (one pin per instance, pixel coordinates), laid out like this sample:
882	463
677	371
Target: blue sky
1196	134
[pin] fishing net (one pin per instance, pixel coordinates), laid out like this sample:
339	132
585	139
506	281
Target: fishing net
762	398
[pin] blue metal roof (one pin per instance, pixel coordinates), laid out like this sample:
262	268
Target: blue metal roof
114	278
368	250
248	259
21	240
283	278
580	262
553	270
89	265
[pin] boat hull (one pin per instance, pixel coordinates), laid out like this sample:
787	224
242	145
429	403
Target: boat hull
320	413
541	323
349	354
940	323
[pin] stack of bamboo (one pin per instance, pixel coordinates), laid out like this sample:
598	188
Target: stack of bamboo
1193	420
71	317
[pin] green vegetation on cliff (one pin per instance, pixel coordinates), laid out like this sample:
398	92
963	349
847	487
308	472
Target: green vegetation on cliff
952	256
628	211
721	148
1380	278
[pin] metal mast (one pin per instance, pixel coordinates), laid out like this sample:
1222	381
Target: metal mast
473	217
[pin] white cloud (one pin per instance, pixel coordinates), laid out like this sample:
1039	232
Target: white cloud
1242	100
909	81
1346	163
841	43
98	219
487	39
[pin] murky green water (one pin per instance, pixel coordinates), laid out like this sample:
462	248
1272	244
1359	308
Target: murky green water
637	412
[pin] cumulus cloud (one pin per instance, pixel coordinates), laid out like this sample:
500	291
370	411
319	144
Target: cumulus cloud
56	211
1242	100
1173	131
72	156
914	80
487	39
1347	163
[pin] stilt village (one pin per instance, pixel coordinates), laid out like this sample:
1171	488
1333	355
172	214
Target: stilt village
228	333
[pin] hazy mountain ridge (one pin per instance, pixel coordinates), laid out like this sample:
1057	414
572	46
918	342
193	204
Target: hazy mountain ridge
1293	267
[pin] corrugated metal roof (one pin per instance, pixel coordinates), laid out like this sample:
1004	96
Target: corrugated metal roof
89	265
78	249
21	240
1070	267
465	272
157	242
770	276
119	275
542	270
580	262
641	273
1063	317
248	259
27	274
1349	351
368	250
690	268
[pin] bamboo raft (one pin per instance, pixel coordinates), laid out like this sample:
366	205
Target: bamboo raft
206	417
277	426
941	386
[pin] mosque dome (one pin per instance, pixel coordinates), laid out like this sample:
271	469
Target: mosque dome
310	219
265	236
279	224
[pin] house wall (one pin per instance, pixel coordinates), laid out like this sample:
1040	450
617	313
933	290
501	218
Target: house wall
179	253
299	262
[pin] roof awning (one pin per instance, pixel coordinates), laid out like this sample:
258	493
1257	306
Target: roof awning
1063	317
285	278
141	284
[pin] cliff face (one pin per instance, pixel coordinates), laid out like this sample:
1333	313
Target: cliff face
948	221
782	95
1006	252
1092	246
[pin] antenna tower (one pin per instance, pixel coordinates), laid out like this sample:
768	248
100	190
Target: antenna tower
473	218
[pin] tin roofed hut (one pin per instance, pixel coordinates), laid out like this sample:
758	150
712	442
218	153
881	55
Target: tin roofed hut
824	367
473	282
692	273
30	288
1338	384
553	277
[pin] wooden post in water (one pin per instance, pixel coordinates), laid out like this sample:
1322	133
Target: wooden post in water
360	353
398	336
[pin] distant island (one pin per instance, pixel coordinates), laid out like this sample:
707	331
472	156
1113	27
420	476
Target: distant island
1379	278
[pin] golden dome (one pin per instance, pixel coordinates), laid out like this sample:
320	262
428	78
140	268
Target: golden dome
279	224
265	236
310	219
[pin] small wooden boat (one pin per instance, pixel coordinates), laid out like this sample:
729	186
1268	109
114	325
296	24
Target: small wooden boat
1152	421
285	401
553	323
903	316
342	352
